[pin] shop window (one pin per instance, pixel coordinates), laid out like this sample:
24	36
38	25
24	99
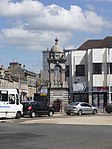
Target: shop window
97	68
80	70
80	98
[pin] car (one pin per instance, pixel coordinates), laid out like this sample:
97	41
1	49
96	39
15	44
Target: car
36	109
108	108
80	108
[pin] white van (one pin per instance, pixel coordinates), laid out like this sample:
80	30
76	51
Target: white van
10	106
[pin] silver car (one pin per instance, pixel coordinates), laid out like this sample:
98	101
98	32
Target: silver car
80	108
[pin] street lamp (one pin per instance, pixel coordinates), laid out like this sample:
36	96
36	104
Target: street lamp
109	76
19	81
107	43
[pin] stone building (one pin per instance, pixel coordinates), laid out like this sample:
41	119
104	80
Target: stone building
58	87
16	76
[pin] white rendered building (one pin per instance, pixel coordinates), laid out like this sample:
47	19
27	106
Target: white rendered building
90	72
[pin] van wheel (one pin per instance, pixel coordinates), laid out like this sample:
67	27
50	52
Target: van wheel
50	113
33	114
18	115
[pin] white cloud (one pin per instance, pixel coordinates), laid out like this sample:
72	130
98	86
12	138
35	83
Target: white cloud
58	18
26	8
34	26
30	40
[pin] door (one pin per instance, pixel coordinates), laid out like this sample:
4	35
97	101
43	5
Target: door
86	108
3	103
11	111
99	100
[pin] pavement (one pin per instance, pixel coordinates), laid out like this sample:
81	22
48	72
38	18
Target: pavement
61	118
101	118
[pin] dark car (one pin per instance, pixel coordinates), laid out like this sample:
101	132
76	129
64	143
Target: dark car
36	109
108	108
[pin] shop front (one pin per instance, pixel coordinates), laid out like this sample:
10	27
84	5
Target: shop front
80	93
100	97
99	100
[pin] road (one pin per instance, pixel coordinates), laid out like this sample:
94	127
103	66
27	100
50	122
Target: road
54	136
58	132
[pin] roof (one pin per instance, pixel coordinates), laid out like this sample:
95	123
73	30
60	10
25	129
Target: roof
106	42
56	48
101	43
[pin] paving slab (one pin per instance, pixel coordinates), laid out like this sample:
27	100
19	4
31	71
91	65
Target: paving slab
99	119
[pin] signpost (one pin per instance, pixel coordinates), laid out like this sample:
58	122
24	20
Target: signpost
79	87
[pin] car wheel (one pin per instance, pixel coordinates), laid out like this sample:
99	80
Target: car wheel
33	114
108	111
95	111
68	113
80	112
18	115
50	113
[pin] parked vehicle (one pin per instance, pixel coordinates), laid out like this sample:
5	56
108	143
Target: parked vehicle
80	108
10	106
36	109
108	108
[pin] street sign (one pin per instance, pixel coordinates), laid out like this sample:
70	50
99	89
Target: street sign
79	87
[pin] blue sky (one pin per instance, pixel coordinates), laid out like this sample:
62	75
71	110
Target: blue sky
27	27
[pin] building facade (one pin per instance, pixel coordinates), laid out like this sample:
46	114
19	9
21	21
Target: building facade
44	72
90	68
16	76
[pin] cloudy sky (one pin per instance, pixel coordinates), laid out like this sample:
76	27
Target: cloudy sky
27	27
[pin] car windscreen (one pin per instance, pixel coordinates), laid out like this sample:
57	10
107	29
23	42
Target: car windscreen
74	103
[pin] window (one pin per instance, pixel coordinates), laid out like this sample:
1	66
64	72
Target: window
97	68
11	98
37	105
67	71
3	96
57	56
80	70
110	68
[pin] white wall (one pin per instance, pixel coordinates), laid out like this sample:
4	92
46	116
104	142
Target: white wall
98	55
88	58
78	58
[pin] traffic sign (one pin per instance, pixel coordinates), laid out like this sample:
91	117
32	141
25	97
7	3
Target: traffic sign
79	87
